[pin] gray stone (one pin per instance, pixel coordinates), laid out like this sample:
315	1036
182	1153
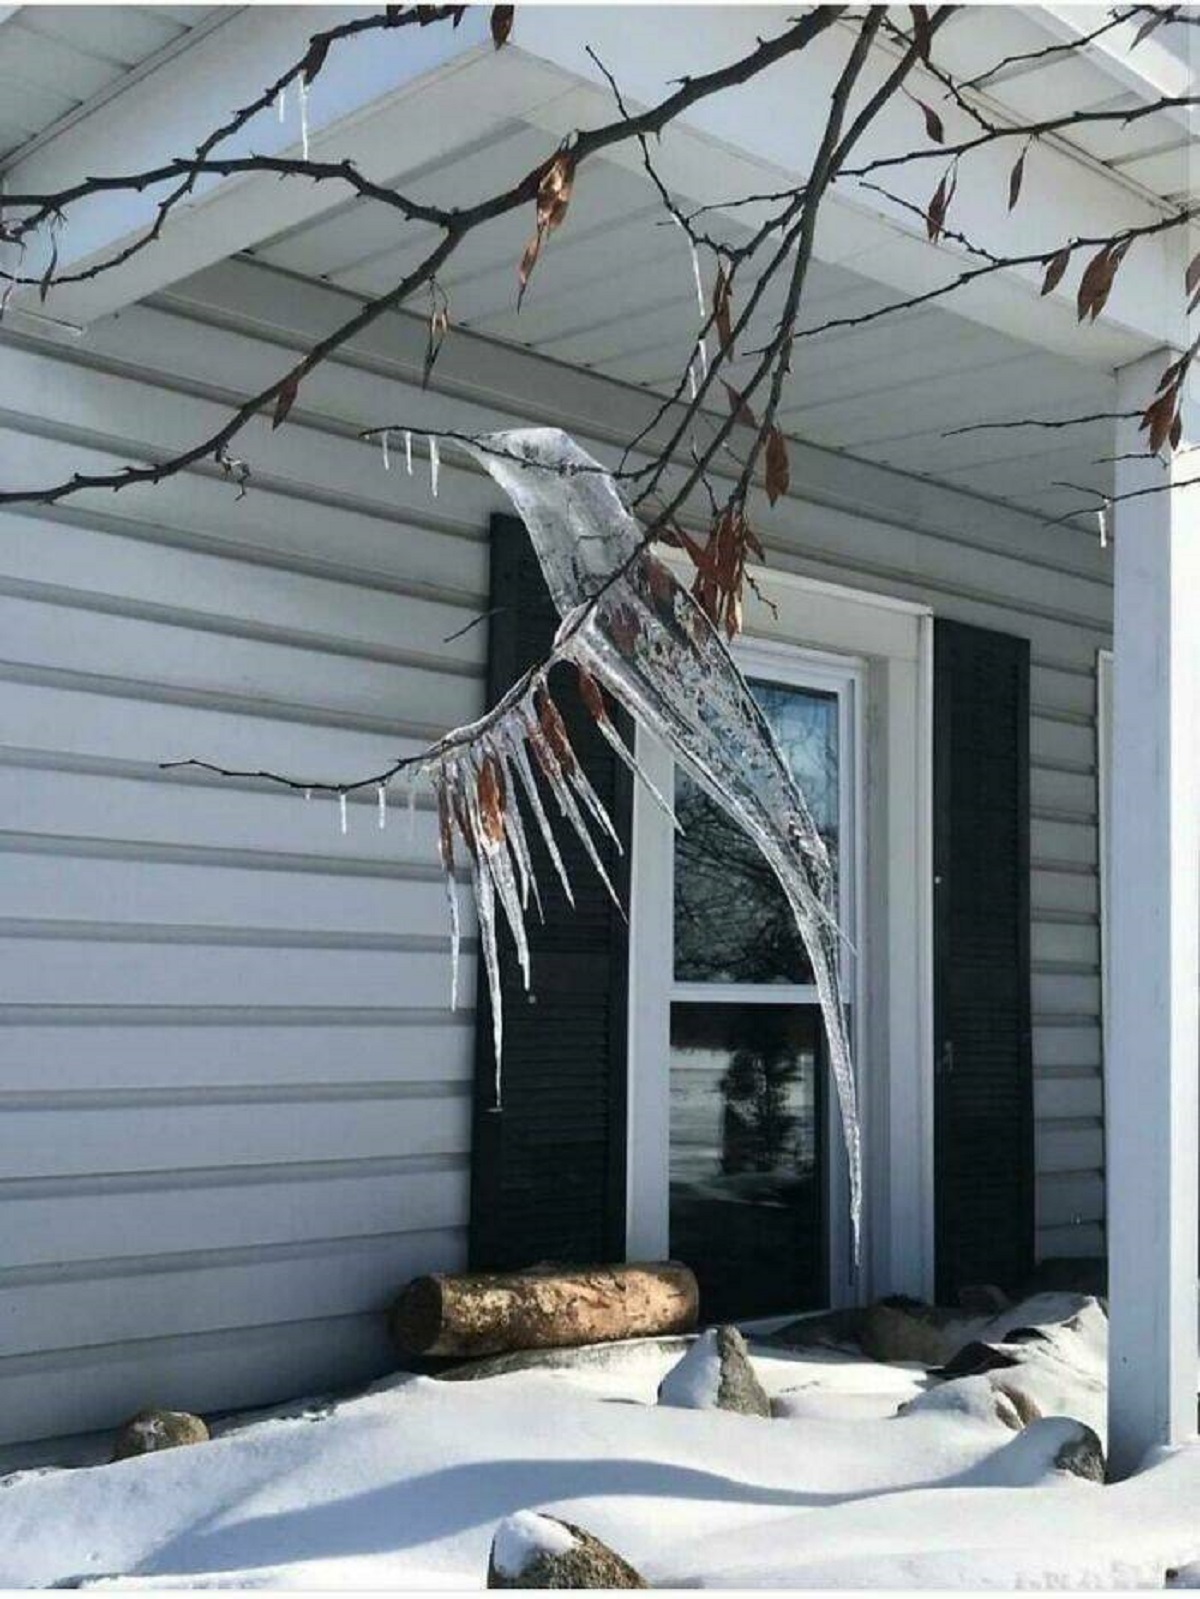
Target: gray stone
830	1329
740	1388
152	1430
983	1299
905	1330
689	1382
977	1357
586	1563
1082	1455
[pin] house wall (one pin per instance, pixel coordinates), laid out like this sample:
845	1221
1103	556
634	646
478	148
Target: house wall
234	1109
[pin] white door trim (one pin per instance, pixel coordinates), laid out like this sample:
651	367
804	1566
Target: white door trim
892	642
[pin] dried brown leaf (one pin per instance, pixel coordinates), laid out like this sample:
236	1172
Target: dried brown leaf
555	188
741	411
939	205
1056	266
778	471
1095	286
722	301
933	123
502	21
1015	178
1159	418
625	630
462	817
658	577
555	731
489	793
445	828
1153	21
439	325
284	401
48	274
592	695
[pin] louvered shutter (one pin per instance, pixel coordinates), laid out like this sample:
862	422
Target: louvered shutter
548	1169
983	1098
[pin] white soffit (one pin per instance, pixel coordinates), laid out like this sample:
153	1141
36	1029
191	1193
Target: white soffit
56	60
614	294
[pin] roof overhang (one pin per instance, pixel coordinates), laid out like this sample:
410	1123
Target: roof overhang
395	104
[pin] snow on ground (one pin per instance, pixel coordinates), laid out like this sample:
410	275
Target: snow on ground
403	1488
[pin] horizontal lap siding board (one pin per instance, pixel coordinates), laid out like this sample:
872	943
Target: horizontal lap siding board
308	625
234	1103
548	1170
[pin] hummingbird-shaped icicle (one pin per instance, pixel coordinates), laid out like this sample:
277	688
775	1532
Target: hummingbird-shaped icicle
643	636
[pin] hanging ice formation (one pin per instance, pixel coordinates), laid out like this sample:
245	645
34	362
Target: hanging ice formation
651	646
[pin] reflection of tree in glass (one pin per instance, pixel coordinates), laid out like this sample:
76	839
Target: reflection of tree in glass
758	1133
732	922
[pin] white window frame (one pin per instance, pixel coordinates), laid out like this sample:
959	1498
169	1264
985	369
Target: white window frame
881	649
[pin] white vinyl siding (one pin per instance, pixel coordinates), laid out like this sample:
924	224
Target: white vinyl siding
234	1110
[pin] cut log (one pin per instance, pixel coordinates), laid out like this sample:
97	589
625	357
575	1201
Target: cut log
484	1313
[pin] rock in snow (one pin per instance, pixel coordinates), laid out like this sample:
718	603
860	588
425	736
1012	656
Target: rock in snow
535	1551
152	1430
716	1374
1081	1452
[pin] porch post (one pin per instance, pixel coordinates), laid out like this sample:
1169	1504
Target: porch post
1152	1106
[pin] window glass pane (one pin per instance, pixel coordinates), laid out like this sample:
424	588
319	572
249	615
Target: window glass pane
732	922
745	1156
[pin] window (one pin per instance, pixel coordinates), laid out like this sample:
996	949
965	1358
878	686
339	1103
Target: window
747	1096
729	1105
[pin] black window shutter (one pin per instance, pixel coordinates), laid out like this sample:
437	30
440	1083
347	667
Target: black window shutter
983	1097
548	1169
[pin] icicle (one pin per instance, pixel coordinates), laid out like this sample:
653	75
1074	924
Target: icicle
342	811
696	277
630	761
485	906
303	91
387	460
408	451
1102	519
434	465
308	793
455	937
382	805
412	809
692	377
651	646
515	737
702	352
515	832
446	853
281	103
566	804
494	861
578	780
